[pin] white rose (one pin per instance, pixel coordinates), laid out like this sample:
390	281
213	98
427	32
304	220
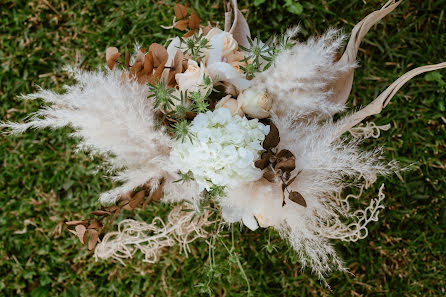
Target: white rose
192	79
231	104
223	42
229	45
255	103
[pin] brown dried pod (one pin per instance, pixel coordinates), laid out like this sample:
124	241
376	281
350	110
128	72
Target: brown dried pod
159	53
81	233
194	21
273	138
181	25
94	235
286	165
180	11
297	198
286	175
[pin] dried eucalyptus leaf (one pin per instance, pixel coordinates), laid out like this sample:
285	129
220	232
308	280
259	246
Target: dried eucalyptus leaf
189	34
111	61
284	154
158	193
262	163
148	63
100	213
159	53
287	165
269	176
180	11
95	225
81	233
297	198
137	199
73	223
94	236
181	25
272	139
194	21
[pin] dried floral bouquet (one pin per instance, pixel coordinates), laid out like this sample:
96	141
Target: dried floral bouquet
230	125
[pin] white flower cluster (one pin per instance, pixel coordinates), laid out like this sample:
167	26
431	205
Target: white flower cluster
223	151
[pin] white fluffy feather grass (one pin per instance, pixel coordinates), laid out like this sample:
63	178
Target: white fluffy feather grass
299	78
115	119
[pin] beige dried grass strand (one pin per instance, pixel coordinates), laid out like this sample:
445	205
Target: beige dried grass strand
382	100
342	86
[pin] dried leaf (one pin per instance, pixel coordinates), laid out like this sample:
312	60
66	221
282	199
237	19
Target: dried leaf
135	69
158	193
297	198
159	53
137	199
291	180
194	21
269	176
180	11
189	34
273	138
110	51
94	236
176	67
80	232
284	154
158	72
95	225
262	163
181	25
148	63
287	165
112	56
73	223
113	208
127	58
100	213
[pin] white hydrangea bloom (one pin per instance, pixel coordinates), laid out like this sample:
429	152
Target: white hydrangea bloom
223	151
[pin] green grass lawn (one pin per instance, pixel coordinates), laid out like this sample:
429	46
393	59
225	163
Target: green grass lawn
44	183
